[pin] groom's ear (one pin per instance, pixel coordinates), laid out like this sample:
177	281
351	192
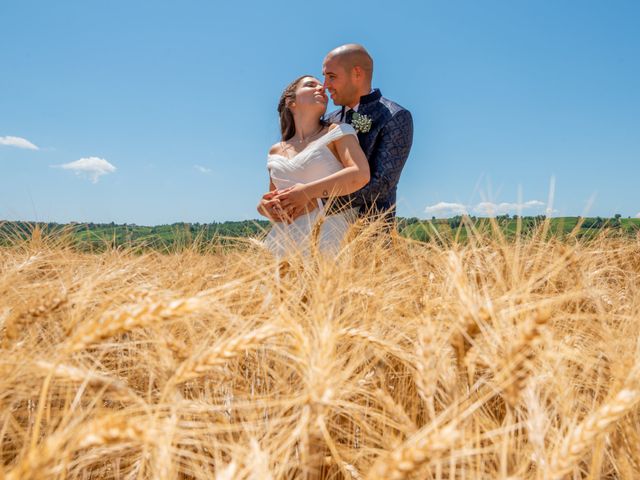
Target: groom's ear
357	71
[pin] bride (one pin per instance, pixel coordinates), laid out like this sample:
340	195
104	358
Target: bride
314	160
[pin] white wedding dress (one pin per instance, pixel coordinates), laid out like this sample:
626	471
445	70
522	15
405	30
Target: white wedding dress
316	161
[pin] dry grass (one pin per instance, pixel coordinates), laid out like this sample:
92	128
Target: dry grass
489	359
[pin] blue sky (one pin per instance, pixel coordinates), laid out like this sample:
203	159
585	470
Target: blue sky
163	111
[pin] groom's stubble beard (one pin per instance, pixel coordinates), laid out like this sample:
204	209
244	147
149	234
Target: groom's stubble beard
348	97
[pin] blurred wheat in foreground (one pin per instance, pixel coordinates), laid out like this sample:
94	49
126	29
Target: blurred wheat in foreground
483	359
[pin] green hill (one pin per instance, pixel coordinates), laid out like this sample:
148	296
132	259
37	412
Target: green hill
99	236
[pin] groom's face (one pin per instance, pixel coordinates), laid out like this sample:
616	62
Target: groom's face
338	81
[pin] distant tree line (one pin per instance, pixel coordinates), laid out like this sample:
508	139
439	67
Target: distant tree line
100	235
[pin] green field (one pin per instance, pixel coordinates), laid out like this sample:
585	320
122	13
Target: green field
97	237
457	227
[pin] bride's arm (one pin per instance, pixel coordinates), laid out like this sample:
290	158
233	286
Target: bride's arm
349	179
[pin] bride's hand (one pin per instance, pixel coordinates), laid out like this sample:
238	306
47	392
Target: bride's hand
311	206
271	208
294	200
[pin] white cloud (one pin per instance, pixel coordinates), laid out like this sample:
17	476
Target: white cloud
18	142
446	208
93	167
638	215
490	208
483	208
202	169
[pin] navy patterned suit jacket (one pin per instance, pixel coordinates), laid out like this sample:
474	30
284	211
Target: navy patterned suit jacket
386	146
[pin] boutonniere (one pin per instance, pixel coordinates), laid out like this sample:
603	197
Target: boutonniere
362	123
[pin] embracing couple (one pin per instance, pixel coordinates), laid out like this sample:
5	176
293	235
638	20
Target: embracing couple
354	156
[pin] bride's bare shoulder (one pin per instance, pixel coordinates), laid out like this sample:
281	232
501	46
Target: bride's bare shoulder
333	126
276	149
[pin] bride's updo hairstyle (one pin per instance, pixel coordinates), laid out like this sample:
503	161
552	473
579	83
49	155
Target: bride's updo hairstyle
287	126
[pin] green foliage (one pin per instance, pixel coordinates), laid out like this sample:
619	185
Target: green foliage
97	237
457	227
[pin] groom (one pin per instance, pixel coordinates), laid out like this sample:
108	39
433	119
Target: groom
385	130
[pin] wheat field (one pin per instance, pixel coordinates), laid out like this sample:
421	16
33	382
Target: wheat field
484	359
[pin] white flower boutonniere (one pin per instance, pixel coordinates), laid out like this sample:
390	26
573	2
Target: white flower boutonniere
362	123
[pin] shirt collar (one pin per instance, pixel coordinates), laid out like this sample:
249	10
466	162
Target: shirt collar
365	99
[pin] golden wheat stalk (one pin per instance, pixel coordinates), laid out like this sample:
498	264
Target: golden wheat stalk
76	374
218	355
431	353
349	468
375	340
582	437
117	387
518	363
111	430
34	465
129	318
283	380
413	453
17	324
228	472
396	411
99	432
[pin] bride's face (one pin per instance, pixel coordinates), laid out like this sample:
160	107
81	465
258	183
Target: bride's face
310	94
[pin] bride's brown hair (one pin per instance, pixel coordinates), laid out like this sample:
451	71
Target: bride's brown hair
287	126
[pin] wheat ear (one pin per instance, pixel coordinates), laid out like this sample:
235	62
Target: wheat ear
129	318
220	354
76	374
396	411
583	435
99	432
518	364
412	454
368	337
110	430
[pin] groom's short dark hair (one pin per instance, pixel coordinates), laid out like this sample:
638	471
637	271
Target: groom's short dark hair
353	55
